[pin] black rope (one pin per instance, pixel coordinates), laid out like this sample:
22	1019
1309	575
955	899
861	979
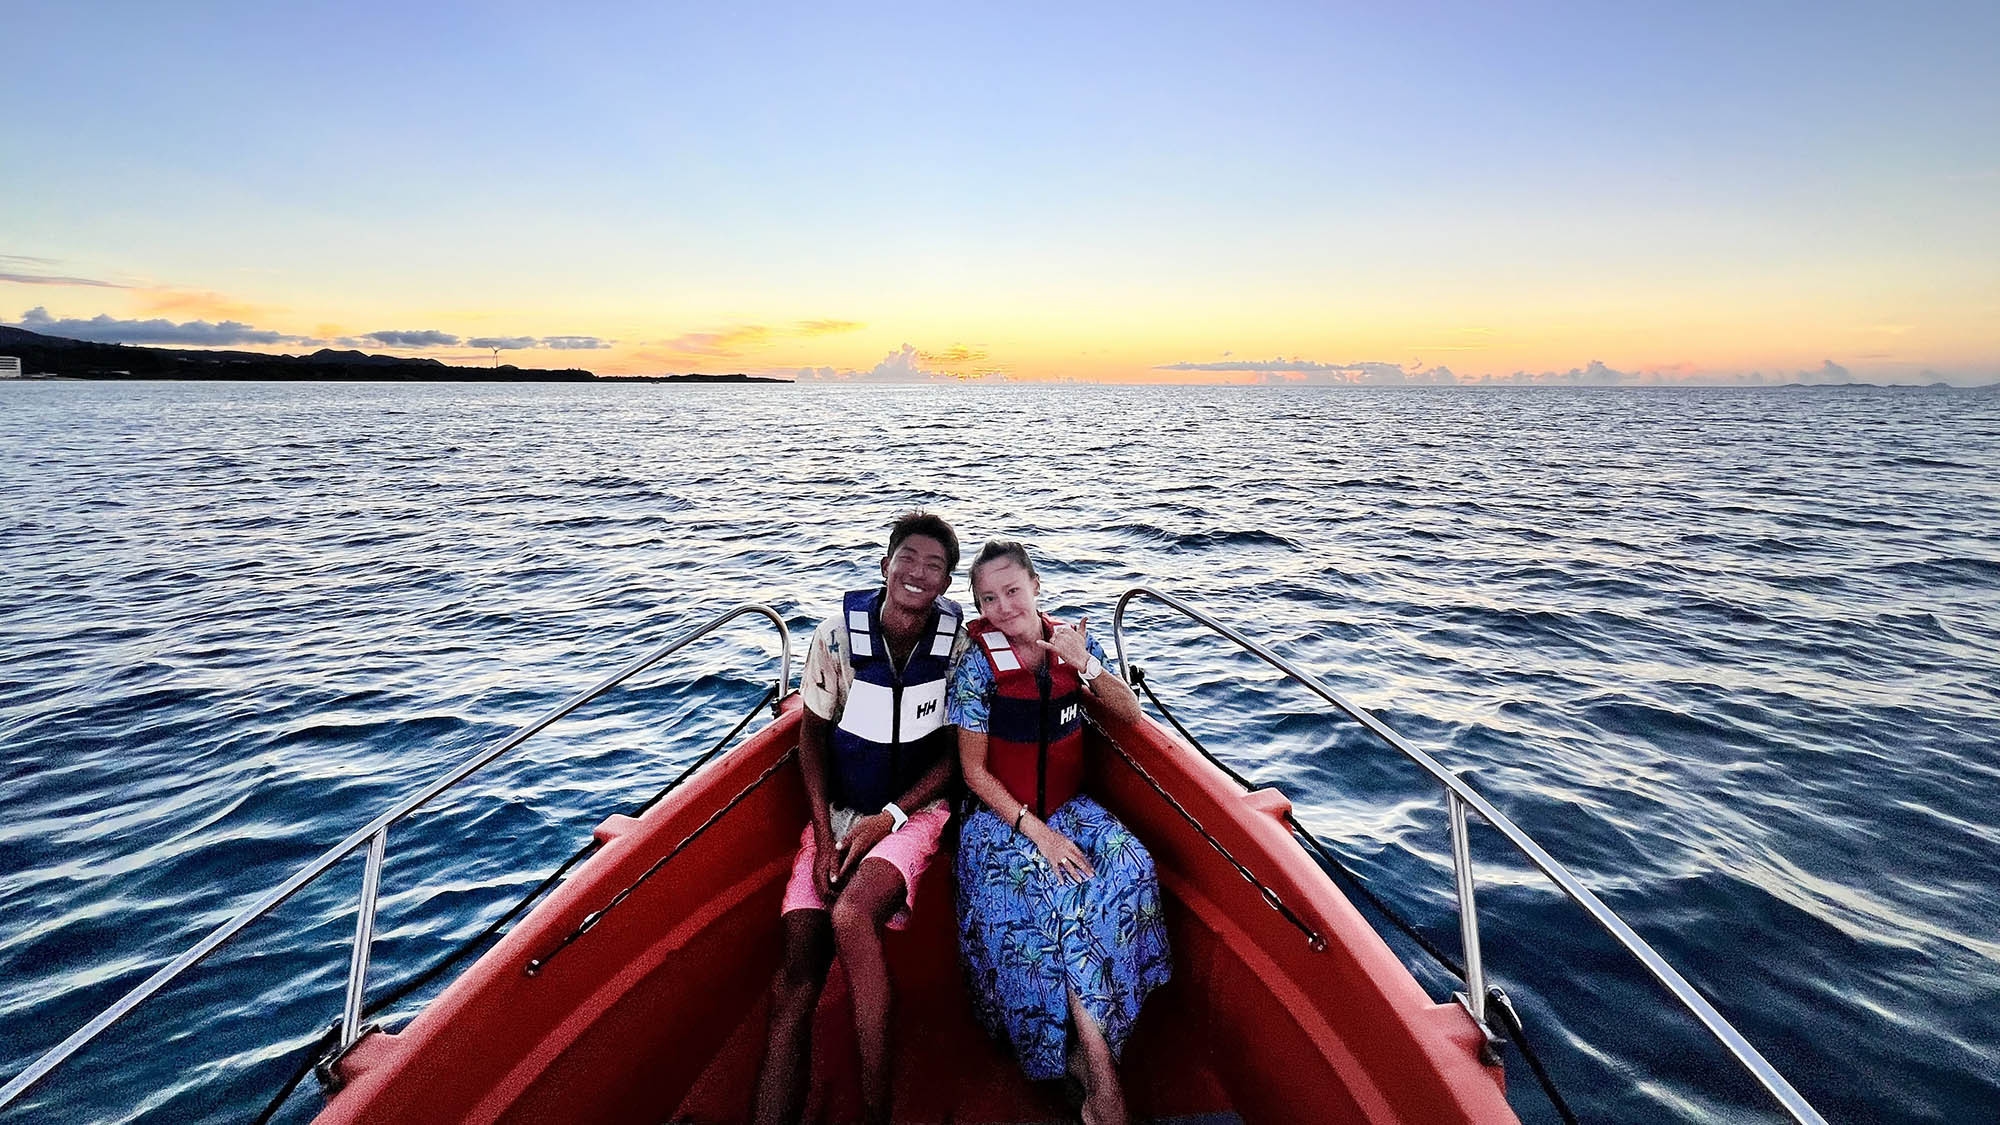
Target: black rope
426	976
1318	847
1270	896
449	959
1497	1002
308	1058
593	918
770	693
320	1048
1497	998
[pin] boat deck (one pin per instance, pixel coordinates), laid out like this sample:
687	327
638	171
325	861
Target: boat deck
946	1068
658	1013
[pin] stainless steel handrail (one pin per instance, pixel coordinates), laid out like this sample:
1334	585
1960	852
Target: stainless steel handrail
374	834
1462	796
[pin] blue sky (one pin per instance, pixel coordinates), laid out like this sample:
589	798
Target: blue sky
1695	191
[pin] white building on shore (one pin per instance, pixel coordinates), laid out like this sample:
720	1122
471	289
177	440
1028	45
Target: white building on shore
10	367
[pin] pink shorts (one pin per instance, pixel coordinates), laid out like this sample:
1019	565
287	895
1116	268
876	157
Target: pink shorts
909	850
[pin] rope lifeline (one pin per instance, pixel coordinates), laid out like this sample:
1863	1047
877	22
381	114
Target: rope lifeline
535	966
1499	1001
1313	937
320	1048
1313	842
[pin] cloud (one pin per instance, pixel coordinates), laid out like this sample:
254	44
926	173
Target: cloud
421	338
201	303
1593	374
904	365
900	366
517	343
826	327
104	329
51	279
956	354
1596	373
728	342
1827	372
1368	373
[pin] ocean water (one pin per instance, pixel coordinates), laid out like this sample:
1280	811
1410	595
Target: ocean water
1731	655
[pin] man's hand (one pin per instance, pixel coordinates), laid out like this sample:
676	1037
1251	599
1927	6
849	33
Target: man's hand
867	832
825	865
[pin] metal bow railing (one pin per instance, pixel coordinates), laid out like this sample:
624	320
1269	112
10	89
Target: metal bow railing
1461	797
375	835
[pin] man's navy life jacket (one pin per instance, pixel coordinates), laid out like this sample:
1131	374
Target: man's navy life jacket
1034	733
892	730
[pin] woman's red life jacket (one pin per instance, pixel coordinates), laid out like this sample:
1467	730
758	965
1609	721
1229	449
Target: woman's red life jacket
1034	731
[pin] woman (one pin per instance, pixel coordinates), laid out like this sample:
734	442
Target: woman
1058	905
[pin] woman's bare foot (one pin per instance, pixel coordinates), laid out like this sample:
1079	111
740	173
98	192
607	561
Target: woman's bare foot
1103	1099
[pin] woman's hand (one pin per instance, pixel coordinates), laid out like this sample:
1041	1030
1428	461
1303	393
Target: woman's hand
1060	852
1067	641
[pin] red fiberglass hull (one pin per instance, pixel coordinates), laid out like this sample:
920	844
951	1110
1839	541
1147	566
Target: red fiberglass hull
657	1013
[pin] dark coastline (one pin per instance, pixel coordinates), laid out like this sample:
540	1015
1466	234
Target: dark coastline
55	357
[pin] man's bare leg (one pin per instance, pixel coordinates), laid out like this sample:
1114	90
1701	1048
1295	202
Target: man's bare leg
781	1081
870	899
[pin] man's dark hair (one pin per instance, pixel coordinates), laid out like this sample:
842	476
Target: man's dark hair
916	521
997	549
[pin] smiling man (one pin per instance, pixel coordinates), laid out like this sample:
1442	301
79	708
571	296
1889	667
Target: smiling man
876	758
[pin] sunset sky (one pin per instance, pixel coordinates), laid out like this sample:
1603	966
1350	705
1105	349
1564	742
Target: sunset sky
1150	191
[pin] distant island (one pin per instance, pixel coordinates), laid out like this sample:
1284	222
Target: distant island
57	357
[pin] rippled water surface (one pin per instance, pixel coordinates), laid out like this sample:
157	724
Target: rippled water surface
1732	655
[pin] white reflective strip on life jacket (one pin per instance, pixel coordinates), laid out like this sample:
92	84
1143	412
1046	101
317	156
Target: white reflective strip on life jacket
923	709
862	645
1003	659
867	712
942	645
857	621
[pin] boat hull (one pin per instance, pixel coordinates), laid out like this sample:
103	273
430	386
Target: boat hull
657	1013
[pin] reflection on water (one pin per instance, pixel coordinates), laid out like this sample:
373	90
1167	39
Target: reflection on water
1731	655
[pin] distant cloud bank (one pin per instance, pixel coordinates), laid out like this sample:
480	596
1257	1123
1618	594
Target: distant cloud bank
105	329
522	343
22	269
904	365
52	279
1592	374
424	338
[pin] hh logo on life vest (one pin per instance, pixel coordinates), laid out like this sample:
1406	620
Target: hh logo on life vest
926	707
1069	714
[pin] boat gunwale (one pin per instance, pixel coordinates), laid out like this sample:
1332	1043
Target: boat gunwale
1462	796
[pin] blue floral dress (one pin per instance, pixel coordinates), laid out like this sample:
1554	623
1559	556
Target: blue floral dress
1028	938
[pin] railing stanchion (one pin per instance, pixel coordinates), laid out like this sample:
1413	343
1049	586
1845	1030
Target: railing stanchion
1468	914
374	835
364	939
1464	798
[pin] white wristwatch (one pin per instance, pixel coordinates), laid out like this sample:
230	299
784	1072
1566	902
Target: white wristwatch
897	816
1091	670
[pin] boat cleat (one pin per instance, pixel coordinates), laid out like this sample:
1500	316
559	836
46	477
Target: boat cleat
1490	1041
